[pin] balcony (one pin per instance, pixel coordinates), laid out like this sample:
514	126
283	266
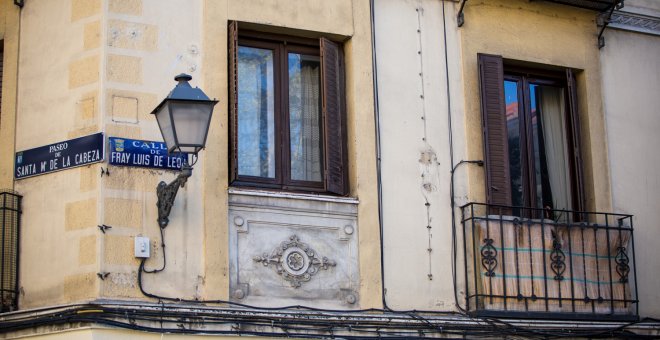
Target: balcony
566	265
10	217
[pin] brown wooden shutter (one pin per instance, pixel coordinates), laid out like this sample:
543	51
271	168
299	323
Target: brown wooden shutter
332	76
579	200
496	149
232	47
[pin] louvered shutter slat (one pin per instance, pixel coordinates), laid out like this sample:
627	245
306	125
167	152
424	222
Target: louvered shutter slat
498	182
232	41
575	134
333	116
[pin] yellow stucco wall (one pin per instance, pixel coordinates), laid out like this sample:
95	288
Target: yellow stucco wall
58	99
109	63
99	333
541	33
340	18
9	35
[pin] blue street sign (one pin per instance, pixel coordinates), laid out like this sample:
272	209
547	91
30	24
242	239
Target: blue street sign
142	153
59	156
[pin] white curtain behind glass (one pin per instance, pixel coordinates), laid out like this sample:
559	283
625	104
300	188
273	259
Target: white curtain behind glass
305	114
311	129
553	116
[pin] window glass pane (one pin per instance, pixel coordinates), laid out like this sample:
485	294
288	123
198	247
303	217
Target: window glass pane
256	113
305	117
543	193
550	147
513	133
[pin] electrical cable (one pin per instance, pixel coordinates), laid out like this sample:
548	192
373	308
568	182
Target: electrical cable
194	321
386	308
379	183
452	201
227	302
162	245
451	161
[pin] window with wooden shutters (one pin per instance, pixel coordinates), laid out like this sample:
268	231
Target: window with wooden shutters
531	136
287	112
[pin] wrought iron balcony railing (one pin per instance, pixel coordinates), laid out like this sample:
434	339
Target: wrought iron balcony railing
569	265
10	217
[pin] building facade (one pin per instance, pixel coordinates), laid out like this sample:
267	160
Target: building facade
373	168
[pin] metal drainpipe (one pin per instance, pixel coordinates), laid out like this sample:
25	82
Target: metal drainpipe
378	152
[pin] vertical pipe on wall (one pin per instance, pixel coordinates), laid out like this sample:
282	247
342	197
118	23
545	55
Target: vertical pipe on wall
451	161
378	150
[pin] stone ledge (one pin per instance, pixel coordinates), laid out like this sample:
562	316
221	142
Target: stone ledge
635	22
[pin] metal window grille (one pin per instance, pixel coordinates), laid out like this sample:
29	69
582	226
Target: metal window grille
10	220
566	265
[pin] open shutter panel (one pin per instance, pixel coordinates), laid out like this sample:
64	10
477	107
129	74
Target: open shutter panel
333	117
232	42
575	132
498	182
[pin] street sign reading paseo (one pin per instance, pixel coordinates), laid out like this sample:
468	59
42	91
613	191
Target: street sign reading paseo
60	156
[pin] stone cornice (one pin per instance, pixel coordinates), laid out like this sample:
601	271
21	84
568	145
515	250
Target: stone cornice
635	22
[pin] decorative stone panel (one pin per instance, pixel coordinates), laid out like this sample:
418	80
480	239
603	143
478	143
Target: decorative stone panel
635	22
293	249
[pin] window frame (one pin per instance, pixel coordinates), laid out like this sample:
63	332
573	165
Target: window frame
524	79
282	45
493	71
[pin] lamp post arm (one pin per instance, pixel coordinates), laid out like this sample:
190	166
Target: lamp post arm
167	193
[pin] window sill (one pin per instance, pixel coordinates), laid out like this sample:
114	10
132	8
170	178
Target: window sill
291	195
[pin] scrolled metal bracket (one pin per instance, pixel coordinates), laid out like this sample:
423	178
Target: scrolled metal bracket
604	19
167	193
460	17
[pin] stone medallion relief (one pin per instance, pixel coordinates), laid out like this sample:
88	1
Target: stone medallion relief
286	251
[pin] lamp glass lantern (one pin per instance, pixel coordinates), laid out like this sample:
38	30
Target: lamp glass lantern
184	117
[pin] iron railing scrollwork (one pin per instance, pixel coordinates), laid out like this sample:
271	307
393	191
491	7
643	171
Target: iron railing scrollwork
489	257
574	265
622	267
557	259
10	220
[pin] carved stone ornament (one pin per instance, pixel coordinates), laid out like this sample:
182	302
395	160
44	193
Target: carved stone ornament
295	261
635	22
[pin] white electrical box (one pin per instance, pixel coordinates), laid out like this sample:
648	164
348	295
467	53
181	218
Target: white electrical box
142	247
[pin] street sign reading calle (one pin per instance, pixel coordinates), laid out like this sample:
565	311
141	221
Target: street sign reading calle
142	153
59	156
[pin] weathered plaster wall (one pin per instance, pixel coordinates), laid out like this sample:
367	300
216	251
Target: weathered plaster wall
415	159
548	34
631	79
146	45
348	19
93	333
9	35
58	98
109	63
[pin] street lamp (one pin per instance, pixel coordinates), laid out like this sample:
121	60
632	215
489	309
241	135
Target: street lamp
183	117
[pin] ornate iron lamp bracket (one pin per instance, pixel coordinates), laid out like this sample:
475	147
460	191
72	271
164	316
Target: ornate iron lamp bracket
167	193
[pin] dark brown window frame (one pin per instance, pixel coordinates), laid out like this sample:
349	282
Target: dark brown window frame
333	128
493	71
